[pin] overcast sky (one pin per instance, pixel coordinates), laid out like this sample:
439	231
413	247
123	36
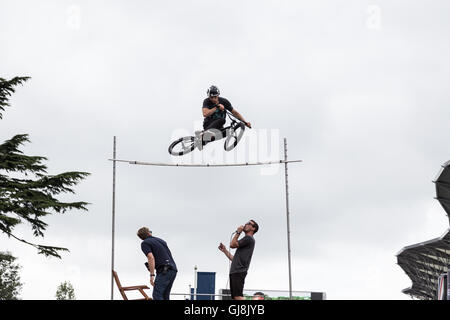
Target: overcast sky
358	88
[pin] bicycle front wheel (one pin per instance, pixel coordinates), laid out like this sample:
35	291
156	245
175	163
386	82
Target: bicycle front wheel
234	137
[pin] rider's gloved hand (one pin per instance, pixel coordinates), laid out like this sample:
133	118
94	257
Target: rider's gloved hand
248	124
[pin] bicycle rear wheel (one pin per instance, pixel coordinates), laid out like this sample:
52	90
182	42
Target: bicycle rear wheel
182	146
234	136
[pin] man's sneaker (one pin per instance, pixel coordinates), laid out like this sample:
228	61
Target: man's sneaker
198	133
208	136
198	139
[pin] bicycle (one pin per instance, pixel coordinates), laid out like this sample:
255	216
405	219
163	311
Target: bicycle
233	133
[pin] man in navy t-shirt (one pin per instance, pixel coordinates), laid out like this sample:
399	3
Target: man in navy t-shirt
159	259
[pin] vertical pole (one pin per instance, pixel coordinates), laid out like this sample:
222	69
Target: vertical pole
195	283
190	292
113	217
287	218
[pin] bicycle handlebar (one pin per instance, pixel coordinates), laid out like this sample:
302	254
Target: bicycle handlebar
232	115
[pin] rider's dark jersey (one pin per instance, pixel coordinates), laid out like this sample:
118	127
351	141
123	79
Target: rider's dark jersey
207	103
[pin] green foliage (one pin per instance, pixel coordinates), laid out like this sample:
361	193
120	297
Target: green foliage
6	89
32	197
65	291
9	277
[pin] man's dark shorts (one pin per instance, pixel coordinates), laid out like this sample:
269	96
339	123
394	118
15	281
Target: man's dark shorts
237	281
213	124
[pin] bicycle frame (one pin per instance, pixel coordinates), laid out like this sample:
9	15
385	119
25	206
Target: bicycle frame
223	130
198	140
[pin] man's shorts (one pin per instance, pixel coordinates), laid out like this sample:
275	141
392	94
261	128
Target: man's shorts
213	124
237	281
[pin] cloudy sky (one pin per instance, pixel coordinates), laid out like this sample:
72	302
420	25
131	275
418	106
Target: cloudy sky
358	88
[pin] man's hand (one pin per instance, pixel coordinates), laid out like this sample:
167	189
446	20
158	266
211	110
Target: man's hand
221	107
222	247
225	251
248	124
234	244
152	280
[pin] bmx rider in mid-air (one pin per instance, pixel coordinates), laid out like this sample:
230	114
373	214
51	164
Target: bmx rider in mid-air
214	110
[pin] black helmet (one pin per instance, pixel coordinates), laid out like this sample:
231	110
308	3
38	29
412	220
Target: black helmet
213	91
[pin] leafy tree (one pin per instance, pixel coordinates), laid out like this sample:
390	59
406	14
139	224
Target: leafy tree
30	197
10	284
65	291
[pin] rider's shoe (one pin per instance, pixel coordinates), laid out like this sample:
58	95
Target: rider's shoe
208	136
199	139
198	133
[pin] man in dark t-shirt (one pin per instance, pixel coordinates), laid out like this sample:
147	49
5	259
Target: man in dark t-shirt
214	110
240	262
159	259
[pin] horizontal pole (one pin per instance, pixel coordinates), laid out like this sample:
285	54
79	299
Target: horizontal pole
200	294
270	290
160	164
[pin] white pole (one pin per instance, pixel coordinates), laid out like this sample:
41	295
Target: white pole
113	218
203	165
287	217
195	283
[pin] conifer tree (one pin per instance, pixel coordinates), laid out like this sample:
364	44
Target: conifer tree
65	291
27	192
10	284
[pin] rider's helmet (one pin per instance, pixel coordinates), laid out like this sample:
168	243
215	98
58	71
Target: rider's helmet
213	91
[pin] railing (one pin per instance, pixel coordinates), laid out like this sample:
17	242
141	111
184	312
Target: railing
268	293
195	295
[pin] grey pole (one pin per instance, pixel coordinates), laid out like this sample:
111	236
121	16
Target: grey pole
113	218
287	218
195	282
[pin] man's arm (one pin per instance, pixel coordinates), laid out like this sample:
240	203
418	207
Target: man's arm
151	267
234	242
240	117
228	254
225	251
207	112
